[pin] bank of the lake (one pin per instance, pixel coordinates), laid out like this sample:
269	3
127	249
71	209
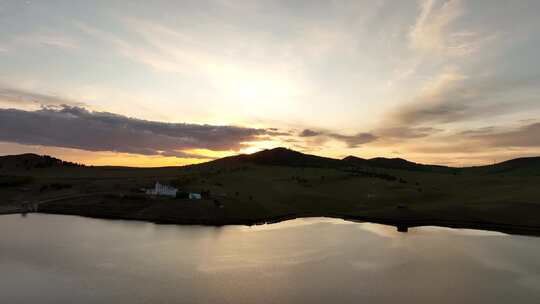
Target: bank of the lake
278	184
402	220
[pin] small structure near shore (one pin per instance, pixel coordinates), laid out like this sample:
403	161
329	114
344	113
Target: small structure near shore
189	195
162	190
195	196
402	228
29	207
165	190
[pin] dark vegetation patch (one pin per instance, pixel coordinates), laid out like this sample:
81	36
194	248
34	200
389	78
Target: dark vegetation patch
370	174
7	181
55	187
106	206
397	164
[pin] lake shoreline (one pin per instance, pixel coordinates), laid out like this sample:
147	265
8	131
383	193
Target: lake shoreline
243	192
401	224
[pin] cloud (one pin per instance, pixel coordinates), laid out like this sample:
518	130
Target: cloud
405	132
38	40
75	127
432	30
454	97
491	140
56	40
231	64
352	141
181	154
525	136
479	131
20	97
308	133
439	101
428	32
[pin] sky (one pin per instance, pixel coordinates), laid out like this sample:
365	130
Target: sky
161	83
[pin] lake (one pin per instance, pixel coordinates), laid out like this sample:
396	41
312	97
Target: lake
69	259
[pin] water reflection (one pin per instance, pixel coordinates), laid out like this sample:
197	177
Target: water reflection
380	230
64	259
402	228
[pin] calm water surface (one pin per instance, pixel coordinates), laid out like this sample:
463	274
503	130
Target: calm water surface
67	259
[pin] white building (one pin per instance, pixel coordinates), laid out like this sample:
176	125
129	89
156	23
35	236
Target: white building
195	196
163	190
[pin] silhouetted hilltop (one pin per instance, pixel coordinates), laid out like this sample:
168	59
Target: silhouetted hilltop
353	160
290	158
520	163
31	161
284	157
519	166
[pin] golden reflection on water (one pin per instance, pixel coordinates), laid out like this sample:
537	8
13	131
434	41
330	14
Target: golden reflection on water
380	230
299	222
465	232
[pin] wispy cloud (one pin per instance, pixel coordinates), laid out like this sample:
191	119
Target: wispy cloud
40	40
474	146
404	132
228	61
438	101
454	97
524	136
49	39
433	32
19	97
352	141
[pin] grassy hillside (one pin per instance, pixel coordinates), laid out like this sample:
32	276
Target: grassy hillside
281	183
282	157
25	162
529	166
397	164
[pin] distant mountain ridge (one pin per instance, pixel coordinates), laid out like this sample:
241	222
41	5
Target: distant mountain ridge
286	157
523	166
283	157
290	158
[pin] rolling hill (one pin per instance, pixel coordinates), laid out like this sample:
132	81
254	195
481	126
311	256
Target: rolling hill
29	161
517	166
283	157
281	183
396	164
290	158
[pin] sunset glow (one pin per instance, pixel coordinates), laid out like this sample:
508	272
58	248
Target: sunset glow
174	83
